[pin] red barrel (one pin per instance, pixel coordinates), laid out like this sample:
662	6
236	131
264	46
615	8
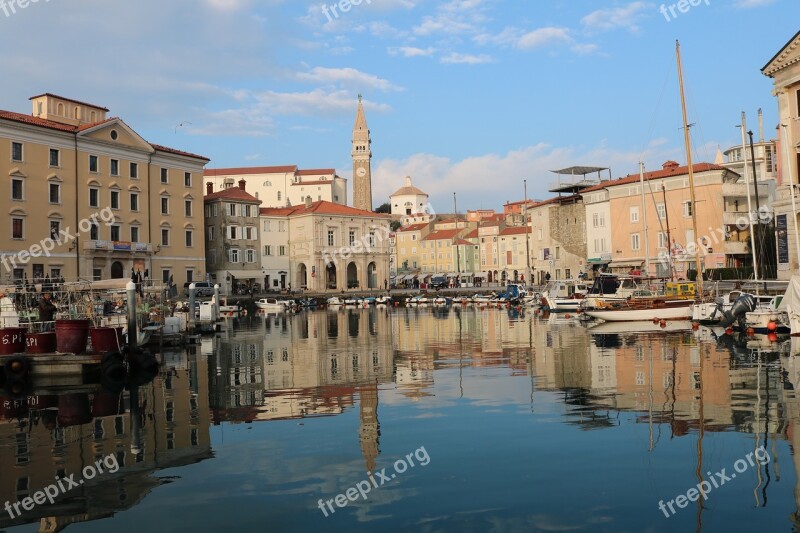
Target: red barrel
72	335
106	340
73	410
38	343
12	340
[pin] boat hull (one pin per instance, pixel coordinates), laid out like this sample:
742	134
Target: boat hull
668	311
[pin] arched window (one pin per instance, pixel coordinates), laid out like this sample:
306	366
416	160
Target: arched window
60	109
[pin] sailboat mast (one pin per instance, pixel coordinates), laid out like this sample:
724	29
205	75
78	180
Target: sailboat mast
688	142
753	248
644	221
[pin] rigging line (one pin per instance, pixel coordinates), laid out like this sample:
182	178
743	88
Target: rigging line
654	117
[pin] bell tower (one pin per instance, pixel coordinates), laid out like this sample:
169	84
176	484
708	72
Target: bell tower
362	154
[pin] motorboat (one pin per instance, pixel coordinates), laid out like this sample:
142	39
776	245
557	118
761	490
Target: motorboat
642	309
369	300
383	300
768	317
334	301
353	300
565	295
270	304
441	301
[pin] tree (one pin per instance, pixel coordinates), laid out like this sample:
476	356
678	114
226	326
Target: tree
384	208
395	225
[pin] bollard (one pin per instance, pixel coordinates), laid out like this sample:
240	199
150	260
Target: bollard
215	311
131	303
137	446
190	319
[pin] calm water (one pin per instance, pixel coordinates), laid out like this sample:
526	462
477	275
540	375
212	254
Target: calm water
489	420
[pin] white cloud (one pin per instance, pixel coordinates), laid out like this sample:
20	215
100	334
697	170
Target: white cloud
541	37
626	17
348	77
465	59
749	4
411	51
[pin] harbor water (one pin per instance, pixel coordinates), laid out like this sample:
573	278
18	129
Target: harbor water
421	419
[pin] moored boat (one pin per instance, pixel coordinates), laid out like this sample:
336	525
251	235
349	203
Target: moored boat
270	304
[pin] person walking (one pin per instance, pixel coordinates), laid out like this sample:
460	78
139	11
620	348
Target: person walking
385	284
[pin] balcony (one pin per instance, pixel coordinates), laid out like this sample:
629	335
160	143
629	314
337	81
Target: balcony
118	246
737	248
739	190
732	218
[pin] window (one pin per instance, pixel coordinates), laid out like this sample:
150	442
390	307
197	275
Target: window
187	179
54	190
97	274
94	197
634	241
134	233
234	255
662	239
115	232
187	208
247	210
164	237
114	199
267	250
55	229
93	163
281	250
134	201
266	225
251	256
661	209
164	175
249	233
634	214
94	232
330	237
372	239
687	209
232	232
17	228
279	196
134	170
211	233
232	210
351	239
17	190
164	205
16	151
55	157
114	167
281	225
165	275
189	276
189	238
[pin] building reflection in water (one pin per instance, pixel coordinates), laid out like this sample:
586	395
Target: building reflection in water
162	424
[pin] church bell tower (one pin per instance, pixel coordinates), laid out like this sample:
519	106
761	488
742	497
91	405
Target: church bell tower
362	154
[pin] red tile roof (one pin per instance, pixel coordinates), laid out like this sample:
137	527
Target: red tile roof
53	125
316	171
69	100
472	234
413	227
241	171
462	242
233	193
276	211
441	234
656	174
323	207
516	230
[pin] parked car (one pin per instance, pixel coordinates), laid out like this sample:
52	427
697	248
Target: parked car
201	288
438	282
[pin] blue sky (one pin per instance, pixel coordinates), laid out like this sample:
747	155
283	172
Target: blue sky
471	96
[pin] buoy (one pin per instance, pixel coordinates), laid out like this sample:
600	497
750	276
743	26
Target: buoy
772	326
773	337
567	316
655	321
729	331
750	332
663	323
695	326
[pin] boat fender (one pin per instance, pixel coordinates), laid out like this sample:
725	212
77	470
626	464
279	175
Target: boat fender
17	367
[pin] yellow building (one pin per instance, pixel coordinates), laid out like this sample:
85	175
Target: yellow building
408	243
110	201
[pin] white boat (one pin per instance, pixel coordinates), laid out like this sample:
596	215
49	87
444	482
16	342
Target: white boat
609	288
790	303
565	295
334	301
383	300
270	304
644	309
768	318
352	301
440	301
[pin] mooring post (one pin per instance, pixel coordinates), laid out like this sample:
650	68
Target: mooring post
190	322
131	296
216	303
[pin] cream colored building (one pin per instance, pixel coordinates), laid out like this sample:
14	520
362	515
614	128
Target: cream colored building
72	162
275	263
334	247
408	243
784	69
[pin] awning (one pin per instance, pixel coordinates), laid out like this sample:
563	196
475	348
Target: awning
598	261
627	264
481	275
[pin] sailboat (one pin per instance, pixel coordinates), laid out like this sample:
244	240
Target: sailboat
659	308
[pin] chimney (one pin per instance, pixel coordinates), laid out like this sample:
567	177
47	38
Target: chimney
308	201
408	181
209	187
242	183
760	125
670	165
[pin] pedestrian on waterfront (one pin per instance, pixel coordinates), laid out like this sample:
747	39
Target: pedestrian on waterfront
46	311
385	284
547	277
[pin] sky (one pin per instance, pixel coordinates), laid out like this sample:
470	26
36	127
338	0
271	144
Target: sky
464	96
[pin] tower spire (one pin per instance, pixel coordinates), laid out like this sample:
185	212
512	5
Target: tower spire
362	155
